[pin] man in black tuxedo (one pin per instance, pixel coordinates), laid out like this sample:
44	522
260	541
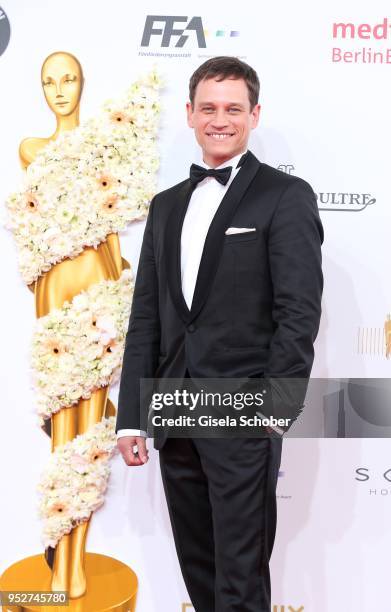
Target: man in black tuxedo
229	284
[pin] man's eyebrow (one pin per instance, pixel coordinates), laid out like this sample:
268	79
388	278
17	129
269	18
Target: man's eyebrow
227	104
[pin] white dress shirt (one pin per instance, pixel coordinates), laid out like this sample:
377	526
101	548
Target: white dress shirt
203	205
204	202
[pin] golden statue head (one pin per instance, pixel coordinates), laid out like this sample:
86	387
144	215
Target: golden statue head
62	82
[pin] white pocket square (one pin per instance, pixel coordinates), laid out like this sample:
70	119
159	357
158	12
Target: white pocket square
240	230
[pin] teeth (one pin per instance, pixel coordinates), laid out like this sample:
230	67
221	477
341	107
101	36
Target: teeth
220	136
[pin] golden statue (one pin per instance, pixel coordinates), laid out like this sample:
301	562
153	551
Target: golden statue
62	82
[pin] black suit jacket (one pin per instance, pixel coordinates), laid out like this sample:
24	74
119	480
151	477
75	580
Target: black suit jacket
257	301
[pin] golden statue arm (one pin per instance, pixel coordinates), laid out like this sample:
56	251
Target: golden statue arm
115	250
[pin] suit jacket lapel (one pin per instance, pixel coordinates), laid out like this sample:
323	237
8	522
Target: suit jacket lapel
214	241
172	249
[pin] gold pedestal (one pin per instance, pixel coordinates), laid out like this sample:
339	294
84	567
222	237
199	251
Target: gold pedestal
111	585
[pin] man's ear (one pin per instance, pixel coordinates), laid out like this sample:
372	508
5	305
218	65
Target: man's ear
189	111
255	115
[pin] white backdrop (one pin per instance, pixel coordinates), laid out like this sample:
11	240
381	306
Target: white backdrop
325	121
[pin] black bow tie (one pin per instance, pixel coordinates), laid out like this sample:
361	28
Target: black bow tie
198	173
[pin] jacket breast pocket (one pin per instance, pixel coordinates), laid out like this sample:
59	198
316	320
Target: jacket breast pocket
241	237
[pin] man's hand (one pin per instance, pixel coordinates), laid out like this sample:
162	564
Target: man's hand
125	446
273	433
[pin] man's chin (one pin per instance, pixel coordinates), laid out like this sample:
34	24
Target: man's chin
220	151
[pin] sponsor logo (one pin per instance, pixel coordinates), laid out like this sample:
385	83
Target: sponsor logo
363	474
344	201
287	168
5	31
366	476
374	341
281	474
173	30
337	201
363	30
347	32
180	34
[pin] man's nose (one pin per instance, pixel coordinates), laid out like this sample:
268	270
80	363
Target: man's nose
220	119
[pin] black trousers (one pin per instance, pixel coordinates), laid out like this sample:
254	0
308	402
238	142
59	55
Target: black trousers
221	497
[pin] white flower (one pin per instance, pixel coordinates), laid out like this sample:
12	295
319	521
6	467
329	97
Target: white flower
62	207
75	479
106	326
78	348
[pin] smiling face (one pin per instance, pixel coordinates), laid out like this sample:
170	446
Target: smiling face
62	82
222	118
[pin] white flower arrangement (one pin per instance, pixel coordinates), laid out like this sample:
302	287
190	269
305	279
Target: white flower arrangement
89	182
75	479
79	347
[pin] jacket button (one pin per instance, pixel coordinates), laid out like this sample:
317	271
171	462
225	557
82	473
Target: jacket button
191	327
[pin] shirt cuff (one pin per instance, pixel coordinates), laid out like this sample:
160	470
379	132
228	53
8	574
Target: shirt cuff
121	433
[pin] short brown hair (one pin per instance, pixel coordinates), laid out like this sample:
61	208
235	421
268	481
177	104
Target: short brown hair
224	67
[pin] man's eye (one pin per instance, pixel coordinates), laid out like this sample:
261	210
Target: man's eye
234	110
